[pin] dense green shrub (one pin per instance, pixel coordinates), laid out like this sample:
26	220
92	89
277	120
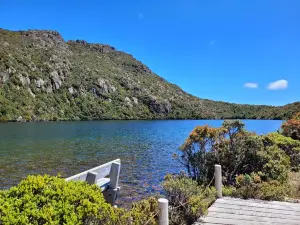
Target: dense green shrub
45	199
238	151
275	164
188	200
142	212
268	159
251	186
51	200
290	146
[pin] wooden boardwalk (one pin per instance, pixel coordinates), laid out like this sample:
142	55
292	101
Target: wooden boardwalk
236	211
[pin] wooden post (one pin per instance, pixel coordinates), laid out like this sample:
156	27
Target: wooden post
163	215
218	180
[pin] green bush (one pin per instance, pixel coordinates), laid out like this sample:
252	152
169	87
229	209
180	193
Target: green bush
188	200
238	151
275	164
228	190
142	212
251	186
51	200
290	146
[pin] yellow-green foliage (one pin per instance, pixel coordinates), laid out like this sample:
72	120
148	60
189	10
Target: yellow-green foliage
188	200
142	212
276	164
251	186
290	146
267	158
228	190
45	199
238	151
51	200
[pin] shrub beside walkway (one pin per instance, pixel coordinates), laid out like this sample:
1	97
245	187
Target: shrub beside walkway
234	211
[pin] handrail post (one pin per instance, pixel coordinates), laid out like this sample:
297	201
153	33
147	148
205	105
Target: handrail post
163	216
218	180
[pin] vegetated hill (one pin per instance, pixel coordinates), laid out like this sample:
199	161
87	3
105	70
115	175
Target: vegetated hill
42	77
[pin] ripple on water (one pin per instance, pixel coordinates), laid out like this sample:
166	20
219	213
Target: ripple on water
144	147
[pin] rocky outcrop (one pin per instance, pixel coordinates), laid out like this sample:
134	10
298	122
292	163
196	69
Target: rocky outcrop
39	83
72	90
24	80
160	106
46	39
105	86
56	80
128	101
135	100
4	76
31	93
94	47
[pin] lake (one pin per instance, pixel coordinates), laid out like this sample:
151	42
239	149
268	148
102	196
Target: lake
66	148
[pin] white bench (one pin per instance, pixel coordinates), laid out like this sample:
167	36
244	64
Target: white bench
105	176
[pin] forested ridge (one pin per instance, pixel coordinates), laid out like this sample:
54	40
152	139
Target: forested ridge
44	78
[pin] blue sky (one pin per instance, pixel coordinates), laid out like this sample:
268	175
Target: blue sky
210	48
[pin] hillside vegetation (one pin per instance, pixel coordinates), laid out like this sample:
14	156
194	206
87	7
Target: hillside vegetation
42	77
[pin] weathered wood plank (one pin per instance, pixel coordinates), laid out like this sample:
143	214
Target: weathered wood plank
251	211
228	221
233	211
255	209
252	218
284	204
261	204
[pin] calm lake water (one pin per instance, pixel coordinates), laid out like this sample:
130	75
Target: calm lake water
144	147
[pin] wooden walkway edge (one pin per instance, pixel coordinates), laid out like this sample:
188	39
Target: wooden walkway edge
234	211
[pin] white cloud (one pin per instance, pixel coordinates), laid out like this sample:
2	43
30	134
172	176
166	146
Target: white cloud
140	15
278	85
212	42
251	85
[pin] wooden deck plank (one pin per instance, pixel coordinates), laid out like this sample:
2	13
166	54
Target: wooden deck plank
252	212
255	209
228	221
283	204
252	218
260	204
233	211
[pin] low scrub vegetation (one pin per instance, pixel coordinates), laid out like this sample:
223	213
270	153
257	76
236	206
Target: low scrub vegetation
187	199
253	166
51	200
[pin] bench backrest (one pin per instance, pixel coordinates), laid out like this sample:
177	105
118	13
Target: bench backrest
111	169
